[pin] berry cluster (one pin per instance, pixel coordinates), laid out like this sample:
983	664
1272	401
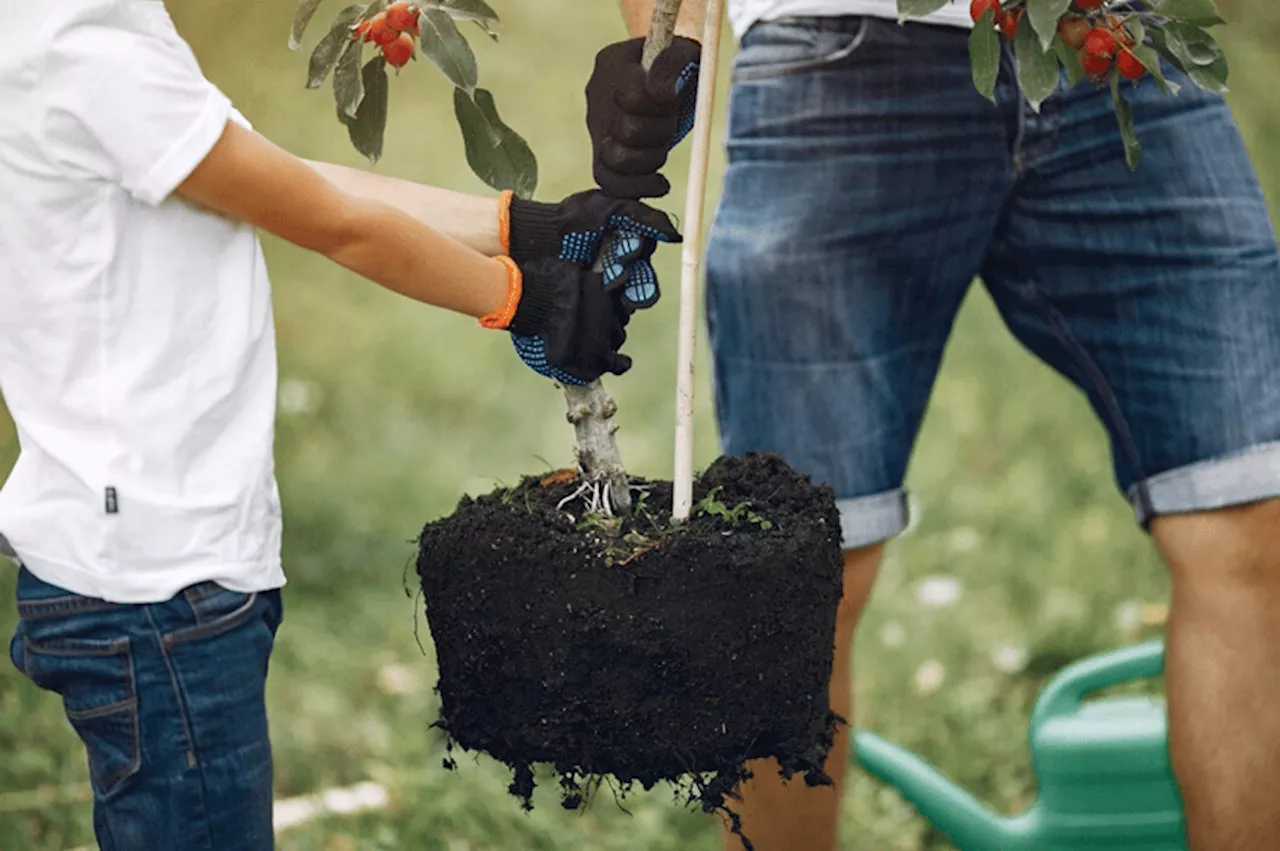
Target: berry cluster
393	31
1007	20
1099	42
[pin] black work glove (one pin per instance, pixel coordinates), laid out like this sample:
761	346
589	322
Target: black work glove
568	326
635	118
582	226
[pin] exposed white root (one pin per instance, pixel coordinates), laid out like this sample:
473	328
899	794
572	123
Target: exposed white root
606	507
571	497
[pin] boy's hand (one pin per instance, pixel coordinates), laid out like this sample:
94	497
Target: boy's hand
567	321
569	325
576	229
635	118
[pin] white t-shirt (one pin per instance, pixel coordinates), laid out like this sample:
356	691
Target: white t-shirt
137	347
744	13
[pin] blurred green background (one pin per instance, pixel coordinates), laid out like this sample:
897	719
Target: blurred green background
1022	555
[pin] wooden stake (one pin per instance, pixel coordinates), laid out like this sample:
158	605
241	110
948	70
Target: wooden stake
690	263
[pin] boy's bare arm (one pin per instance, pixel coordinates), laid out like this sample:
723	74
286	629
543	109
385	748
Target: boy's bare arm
470	219
247	178
637	14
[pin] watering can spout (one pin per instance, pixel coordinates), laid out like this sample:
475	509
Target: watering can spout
969	825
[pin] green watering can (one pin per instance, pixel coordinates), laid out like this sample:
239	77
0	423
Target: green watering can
1102	769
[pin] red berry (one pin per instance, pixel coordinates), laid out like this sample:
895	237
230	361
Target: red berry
1120	31
1074	31
1101	43
380	32
403	18
1091	5
1008	22
400	51
978	8
1095	67
1130	67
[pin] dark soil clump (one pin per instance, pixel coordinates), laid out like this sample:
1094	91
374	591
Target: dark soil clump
636	650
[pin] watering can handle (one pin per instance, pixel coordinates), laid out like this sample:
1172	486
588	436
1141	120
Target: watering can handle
1078	679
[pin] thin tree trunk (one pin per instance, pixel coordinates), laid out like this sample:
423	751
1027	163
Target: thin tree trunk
591	408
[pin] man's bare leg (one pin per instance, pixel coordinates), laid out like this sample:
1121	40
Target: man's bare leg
778	816
1223	673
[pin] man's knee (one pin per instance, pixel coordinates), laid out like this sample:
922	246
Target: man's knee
1237	546
860	569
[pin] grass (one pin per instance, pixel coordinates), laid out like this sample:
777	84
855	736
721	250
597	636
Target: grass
391	411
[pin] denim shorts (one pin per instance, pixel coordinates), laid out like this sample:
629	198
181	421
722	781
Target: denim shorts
869	184
169	701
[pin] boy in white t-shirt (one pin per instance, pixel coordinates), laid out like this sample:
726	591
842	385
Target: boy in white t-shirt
868	184
137	356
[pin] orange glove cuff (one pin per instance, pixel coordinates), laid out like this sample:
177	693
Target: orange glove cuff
504	219
501	319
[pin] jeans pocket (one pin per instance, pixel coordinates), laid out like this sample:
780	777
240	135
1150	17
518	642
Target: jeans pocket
783	48
215	610
95	679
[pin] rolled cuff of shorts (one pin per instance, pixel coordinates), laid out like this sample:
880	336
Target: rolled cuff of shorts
1243	477
868	520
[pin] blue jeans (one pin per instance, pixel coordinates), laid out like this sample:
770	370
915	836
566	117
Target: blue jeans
868	185
169	701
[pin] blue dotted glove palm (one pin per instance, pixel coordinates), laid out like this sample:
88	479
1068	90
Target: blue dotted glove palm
567	326
623	233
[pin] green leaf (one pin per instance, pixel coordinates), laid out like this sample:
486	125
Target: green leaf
1124	115
1199	12
487	29
984	55
1136	30
1037	68
1045	15
1211	79
301	17
1161	43
1151	60
1193	45
1196	53
348	85
477	12
469	10
448	49
1070	60
330	48
495	152
368	128
918	8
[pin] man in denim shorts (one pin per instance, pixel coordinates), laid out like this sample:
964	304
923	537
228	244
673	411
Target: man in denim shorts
868	184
